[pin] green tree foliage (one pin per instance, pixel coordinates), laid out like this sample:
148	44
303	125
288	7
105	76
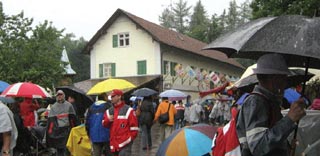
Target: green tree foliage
198	26
29	54
181	12
233	16
215	28
245	12
176	17
263	8
167	19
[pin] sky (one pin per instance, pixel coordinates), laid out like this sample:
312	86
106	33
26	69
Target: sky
85	17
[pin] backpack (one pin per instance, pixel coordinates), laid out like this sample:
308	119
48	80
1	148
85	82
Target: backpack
95	111
163	118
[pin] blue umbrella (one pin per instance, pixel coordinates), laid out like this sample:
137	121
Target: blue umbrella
3	85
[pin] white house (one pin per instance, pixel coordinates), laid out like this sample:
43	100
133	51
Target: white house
149	55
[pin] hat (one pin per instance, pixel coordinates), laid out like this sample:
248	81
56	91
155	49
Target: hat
59	92
116	92
271	64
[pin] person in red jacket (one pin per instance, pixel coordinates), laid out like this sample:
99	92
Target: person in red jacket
123	124
27	108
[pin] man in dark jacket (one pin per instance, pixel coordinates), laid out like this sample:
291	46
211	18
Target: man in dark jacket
261	128
146	121
61	119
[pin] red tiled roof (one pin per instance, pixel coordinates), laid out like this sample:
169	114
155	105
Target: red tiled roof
165	36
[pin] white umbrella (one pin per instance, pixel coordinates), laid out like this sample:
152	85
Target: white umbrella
173	95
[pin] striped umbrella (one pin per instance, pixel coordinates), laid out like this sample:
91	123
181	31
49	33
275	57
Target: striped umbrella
25	89
193	140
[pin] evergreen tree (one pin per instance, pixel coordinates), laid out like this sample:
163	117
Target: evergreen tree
245	13
262	8
167	19
215	28
199	23
181	16
232	16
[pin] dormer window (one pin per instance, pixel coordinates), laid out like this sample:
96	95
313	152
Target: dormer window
121	40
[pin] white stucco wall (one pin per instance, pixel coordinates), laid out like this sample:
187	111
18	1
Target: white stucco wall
142	47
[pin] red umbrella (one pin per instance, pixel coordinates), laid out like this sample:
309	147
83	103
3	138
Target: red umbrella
25	89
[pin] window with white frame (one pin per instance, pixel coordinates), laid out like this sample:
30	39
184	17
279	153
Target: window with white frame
107	69
121	40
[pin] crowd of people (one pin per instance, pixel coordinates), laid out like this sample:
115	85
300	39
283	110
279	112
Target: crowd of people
112	125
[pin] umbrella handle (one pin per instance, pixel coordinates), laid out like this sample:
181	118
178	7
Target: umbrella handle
294	141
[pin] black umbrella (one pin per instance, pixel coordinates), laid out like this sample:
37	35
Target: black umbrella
294	36
82	100
143	92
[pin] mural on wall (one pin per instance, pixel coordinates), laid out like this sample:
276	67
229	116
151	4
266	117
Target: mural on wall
180	72
189	74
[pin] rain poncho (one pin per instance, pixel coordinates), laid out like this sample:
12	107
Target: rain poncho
261	128
195	111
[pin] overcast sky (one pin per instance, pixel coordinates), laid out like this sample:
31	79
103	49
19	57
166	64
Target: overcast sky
85	17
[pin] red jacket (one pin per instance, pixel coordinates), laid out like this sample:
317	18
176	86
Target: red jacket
124	127
27	109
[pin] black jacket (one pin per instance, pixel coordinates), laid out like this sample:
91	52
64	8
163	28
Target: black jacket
261	128
147	113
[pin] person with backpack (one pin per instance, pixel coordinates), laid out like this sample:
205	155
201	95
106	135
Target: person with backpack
99	135
179	117
166	128
261	128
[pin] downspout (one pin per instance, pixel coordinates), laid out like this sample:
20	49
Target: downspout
161	69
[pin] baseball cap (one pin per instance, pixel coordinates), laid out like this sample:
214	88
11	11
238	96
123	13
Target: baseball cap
116	92
59	92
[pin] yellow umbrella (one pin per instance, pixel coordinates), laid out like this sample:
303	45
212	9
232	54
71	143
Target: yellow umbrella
110	84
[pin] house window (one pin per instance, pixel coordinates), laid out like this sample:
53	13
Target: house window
121	40
107	70
142	67
166	67
172	66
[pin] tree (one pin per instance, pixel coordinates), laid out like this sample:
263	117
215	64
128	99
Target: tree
181	15
232	16
262	8
199	23
29	54
245	13
215	28
167	19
